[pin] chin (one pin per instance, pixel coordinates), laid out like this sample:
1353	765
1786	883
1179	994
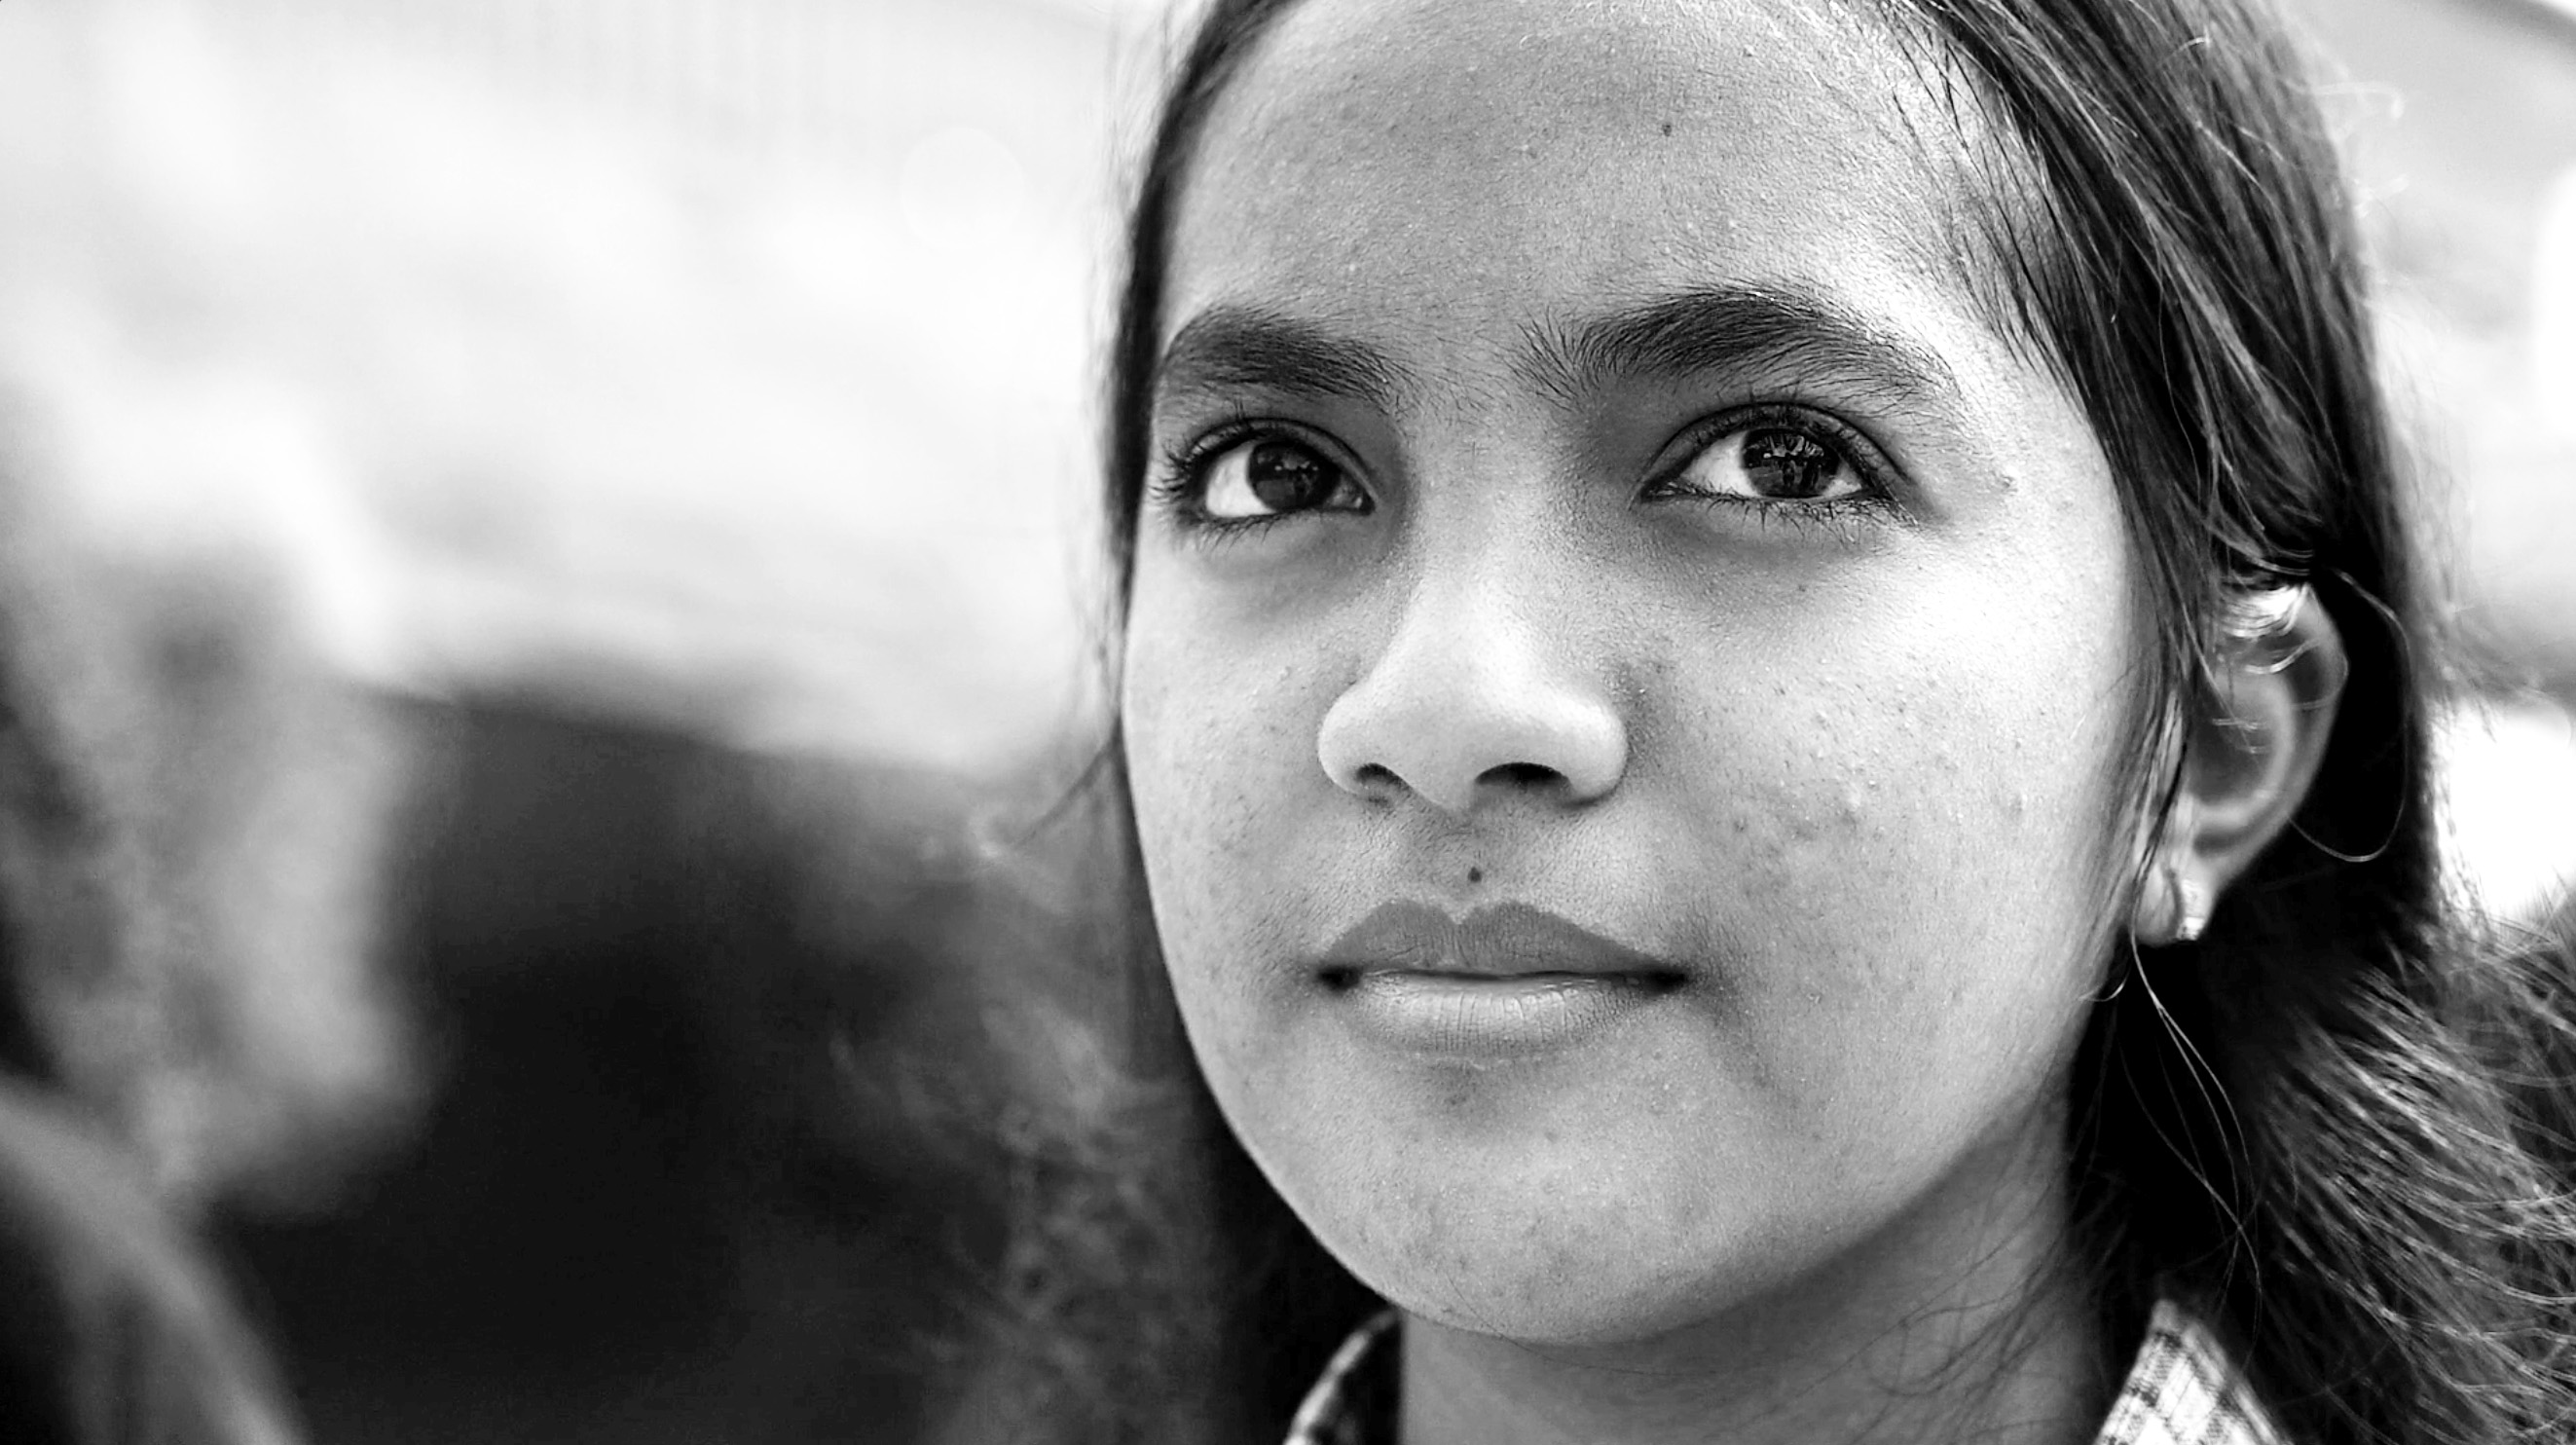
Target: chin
1550	1250
1579	1293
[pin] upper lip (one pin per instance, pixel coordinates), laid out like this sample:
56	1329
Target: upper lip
1501	940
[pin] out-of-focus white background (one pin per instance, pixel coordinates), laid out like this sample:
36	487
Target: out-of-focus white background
727	359
730	362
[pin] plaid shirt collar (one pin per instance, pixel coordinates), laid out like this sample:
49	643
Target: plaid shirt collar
2182	1390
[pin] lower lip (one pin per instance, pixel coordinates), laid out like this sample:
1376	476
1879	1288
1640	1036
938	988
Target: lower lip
1476	1017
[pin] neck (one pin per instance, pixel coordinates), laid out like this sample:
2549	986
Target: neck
1949	1325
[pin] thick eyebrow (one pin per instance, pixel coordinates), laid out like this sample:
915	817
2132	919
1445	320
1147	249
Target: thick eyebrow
1728	327
1233	348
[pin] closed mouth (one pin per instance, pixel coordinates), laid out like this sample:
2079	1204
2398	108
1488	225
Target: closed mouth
1500	945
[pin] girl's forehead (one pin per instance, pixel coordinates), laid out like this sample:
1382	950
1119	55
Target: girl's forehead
1478	164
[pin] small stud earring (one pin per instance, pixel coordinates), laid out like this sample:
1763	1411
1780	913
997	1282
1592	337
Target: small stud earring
2191	906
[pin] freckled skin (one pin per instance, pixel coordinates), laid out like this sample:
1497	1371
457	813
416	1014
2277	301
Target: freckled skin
1867	780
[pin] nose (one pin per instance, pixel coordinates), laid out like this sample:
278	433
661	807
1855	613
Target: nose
1471	702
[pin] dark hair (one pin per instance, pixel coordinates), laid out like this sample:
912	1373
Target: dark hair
2328	1126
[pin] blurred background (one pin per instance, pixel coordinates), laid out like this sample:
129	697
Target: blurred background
552	522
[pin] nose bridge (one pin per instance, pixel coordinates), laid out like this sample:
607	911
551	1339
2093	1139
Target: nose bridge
1488	549
1487	683
1489	594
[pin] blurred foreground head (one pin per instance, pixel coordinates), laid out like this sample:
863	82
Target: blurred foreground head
195	822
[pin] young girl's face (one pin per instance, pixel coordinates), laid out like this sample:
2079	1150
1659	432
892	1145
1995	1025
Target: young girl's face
1625	663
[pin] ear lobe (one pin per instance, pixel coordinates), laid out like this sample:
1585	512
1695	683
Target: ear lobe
2246	768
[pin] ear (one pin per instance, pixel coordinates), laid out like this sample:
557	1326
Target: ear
2249	755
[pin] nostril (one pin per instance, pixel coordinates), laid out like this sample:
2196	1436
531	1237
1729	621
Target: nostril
1521	775
1374	777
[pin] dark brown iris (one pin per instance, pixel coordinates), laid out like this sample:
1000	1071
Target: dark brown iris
1287	477
1789	465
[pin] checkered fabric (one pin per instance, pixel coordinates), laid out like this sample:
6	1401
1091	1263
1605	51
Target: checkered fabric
2181	1390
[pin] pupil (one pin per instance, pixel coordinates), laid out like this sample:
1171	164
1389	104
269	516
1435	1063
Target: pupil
1288	477
1789	464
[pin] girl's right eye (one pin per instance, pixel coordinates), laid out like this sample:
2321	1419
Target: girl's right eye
1269	477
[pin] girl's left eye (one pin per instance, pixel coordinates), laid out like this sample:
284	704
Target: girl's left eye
1769	464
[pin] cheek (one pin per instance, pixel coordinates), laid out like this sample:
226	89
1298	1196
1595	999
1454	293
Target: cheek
1218	732
1206	727
1918	823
